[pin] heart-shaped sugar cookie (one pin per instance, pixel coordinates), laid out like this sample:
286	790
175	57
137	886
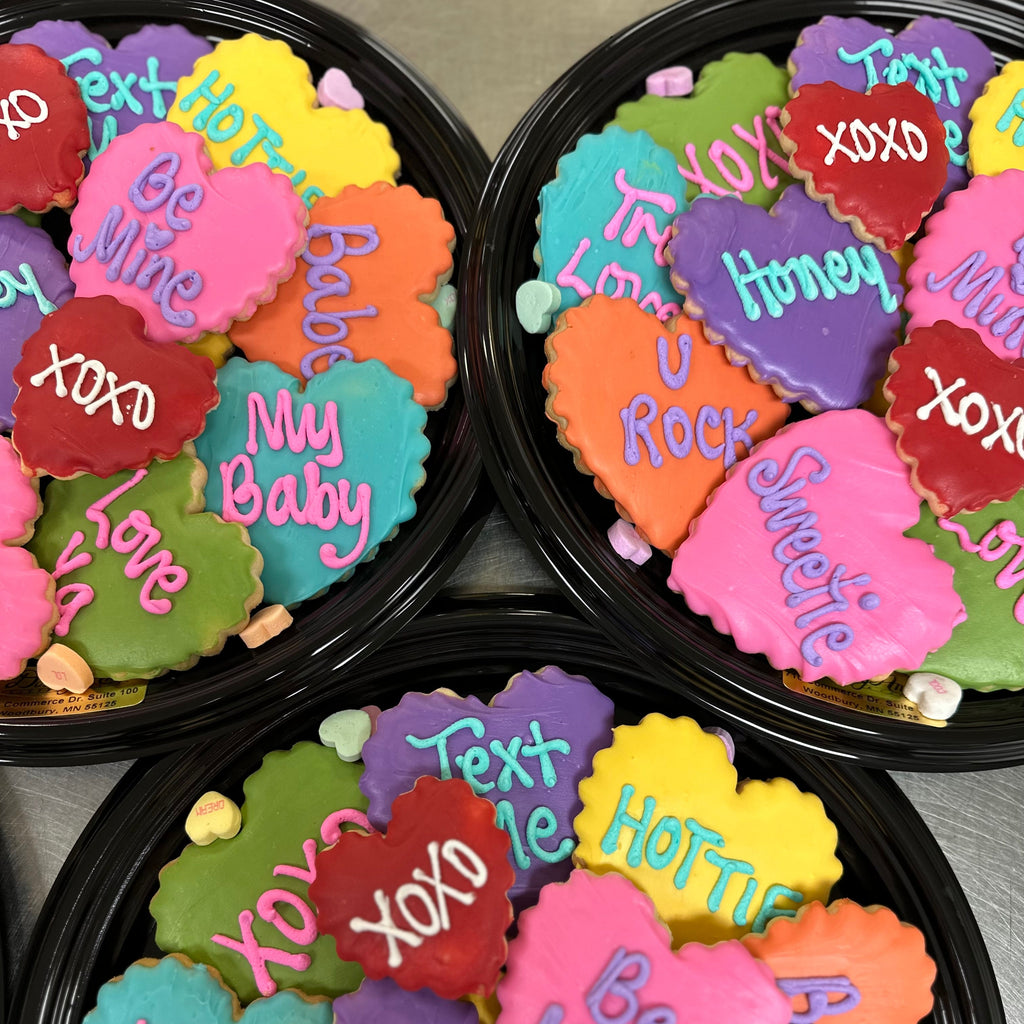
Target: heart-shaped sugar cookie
946	63
658	418
190	249
663	809
818	575
878	160
594	945
426	903
383	1000
795	294
320	477
358	292
957	412
96	396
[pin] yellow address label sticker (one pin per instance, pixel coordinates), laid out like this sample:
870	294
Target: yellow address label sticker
884	699
27	697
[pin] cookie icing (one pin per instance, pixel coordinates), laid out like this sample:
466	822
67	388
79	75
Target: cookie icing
96	396
659	417
663	808
725	135
374	254
945	62
159	230
253	101
35	281
997	123
383	1000
792	292
526	751
242	904
605	219
815	579
969	267
595	942
147	581
319	477
122	86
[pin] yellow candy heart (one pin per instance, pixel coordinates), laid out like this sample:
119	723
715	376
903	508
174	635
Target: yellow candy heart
663	809
213	816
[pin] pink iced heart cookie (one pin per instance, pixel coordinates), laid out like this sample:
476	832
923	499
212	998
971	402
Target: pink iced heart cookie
191	249
819	576
969	267
594	945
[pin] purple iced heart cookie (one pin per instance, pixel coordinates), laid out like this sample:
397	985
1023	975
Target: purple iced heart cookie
125	86
383	1000
794	294
948	64
526	751
33	282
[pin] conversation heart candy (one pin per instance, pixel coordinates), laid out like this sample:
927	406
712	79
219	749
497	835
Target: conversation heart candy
213	816
320	477
819	576
663	809
595	942
159	230
936	696
969	267
383	1000
946	63
725	135
96	396
374	254
956	410
659	418
242	905
347	732
253	101
986	551
861	965
45	131
446	934
174	989
123	86
876	159
35	282
791	293
526	751
147	580
604	222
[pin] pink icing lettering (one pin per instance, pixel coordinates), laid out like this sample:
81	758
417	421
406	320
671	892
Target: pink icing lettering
696	176
742	180
283	429
306	874
240	493
1000	541
66	562
163	572
266	907
358	515
95	513
330	830
259	956
760	144
567	277
641	221
70	599
622	278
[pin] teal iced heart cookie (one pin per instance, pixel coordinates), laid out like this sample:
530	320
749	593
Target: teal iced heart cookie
320	477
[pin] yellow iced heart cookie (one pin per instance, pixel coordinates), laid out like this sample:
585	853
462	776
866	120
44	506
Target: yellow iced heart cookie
213	816
253	101
718	860
996	142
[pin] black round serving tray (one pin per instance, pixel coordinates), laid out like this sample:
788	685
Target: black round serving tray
441	157
557	510
95	921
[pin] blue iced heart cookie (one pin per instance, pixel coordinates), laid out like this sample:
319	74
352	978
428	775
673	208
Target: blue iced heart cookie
319	477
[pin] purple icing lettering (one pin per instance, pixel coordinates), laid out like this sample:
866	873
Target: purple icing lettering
619	984
818	993
675	380
636	426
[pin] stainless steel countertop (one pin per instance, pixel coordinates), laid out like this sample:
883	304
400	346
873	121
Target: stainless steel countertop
507	55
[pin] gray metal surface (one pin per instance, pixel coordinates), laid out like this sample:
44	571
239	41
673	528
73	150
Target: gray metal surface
492	59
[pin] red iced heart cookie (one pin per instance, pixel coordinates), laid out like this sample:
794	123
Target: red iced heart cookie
659	417
427	903
95	396
44	131
957	411
878	160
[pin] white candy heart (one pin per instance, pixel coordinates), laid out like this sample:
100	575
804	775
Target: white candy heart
935	696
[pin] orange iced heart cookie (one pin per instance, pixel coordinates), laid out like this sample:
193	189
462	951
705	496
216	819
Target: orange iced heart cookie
361	290
658	416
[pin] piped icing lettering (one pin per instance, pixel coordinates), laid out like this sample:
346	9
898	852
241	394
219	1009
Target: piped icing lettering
997	119
303	472
525	752
156	230
943	62
726	134
252	94
817	587
606	218
673	823
793	293
659	417
594	951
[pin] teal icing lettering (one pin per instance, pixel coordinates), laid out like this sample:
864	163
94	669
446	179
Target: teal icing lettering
541	749
659	859
934	74
542	824
622	819
1014	112
155	87
866	57
29	285
698	836
440	741
511	768
505	817
769	910
954	137
742	908
204	91
474	762
727	867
